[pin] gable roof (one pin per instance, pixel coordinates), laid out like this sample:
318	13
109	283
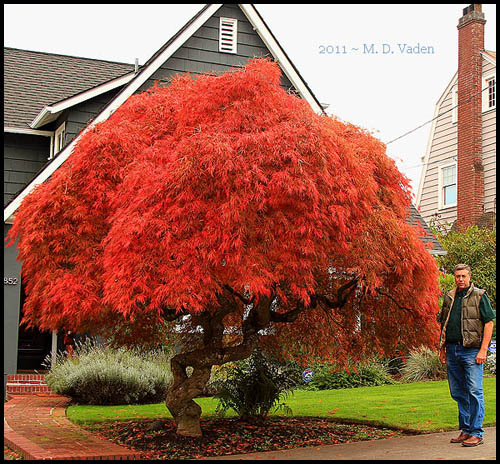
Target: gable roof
262	30
25	93
152	65
491	56
415	218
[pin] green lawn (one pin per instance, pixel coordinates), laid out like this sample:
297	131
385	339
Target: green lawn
424	406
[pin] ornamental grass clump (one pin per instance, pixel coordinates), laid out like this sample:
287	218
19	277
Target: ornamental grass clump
423	364
101	375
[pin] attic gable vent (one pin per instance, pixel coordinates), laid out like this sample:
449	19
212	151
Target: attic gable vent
228	34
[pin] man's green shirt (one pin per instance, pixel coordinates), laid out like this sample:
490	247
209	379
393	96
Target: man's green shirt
454	327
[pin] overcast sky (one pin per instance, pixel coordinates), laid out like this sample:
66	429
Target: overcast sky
387	93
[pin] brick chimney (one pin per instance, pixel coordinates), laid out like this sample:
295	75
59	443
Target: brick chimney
470	173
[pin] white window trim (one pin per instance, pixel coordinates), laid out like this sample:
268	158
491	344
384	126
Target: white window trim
55	148
441	205
485	100
234	23
454	103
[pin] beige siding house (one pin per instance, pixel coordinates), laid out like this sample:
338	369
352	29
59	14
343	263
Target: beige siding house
437	192
489	142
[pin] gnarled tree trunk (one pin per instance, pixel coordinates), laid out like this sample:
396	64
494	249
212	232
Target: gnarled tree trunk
180	394
211	351
184	388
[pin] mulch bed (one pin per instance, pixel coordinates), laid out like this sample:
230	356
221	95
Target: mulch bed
157	438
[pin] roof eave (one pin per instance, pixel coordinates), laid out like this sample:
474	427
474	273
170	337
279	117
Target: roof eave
281	57
52	112
27	131
489	57
44	117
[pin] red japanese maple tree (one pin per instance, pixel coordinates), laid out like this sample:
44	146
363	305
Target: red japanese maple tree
226	203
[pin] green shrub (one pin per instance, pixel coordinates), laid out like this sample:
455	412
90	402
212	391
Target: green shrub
325	378
446	283
368	374
102	375
255	386
423	364
475	247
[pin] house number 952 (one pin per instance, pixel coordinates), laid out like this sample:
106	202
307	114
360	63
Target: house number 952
10	280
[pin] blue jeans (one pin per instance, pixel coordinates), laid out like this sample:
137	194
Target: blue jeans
465	378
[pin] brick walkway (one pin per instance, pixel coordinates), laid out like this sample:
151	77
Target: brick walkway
36	426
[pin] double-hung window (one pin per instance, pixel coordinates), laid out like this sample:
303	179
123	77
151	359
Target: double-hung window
59	138
447	186
489	89
58	142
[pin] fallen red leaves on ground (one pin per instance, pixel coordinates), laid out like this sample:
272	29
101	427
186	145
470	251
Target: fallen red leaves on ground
157	438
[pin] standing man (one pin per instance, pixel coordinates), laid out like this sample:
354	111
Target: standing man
466	321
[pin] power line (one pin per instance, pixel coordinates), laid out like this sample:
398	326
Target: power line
439	115
445	159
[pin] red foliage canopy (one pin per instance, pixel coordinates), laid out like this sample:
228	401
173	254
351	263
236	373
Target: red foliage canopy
229	182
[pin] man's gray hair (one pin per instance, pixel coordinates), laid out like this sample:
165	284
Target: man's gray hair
461	267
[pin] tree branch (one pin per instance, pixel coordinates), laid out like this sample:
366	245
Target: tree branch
331	318
289	316
343	294
394	301
238	295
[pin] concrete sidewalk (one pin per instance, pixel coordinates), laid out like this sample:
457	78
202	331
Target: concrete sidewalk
416	447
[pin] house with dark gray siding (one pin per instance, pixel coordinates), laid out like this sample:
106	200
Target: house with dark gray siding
51	100
36	83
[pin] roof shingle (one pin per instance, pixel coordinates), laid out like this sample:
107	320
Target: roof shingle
415	218
33	80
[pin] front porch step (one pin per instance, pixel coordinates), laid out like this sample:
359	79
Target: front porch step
26	384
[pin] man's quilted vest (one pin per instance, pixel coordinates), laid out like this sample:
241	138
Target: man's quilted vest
472	324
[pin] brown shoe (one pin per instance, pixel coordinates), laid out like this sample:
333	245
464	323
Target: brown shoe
460	439
472	441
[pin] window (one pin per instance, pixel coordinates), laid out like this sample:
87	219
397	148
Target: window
228	34
58	139
447	186
489	92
